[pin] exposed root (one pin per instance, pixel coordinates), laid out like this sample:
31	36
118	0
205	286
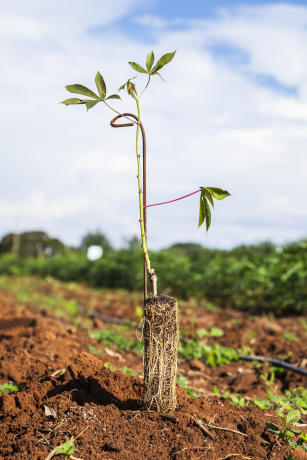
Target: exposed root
160	353
200	424
228	429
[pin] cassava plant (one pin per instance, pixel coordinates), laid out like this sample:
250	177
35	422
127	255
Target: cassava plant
160	312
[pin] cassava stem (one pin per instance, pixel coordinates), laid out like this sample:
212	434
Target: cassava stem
150	271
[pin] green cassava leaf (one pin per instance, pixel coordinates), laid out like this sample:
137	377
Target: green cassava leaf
90	103
202	212
125	84
165	59
157	73
137	67
208	214
208	195
80	89
101	86
73	100
113	96
218	193
150	60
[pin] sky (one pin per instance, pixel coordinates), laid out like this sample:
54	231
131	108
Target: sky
231	113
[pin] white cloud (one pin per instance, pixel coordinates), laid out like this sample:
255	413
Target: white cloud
211	123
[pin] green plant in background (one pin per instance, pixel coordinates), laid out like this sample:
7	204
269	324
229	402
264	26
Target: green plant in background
66	449
182	382
287	433
290	336
110	337
213	332
9	387
214	355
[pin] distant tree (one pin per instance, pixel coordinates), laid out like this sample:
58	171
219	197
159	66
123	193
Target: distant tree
31	244
192	250
96	238
133	243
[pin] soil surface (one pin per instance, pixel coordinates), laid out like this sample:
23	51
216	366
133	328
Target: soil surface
68	393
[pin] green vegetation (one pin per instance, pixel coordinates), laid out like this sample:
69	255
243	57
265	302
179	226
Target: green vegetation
182	382
290	336
214	355
261	278
111	337
66	449
289	401
287	432
213	332
9	387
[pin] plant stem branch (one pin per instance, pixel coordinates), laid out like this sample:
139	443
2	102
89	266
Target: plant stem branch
227	429
151	272
145	87
116	111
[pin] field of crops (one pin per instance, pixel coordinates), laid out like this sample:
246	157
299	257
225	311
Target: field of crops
71	378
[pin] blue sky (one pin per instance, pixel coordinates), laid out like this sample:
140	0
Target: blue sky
231	113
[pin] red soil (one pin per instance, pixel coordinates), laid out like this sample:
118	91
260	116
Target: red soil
70	394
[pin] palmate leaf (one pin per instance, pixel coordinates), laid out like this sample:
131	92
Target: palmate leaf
113	96
206	196
71	101
208	214
150	60
137	67
202	211
101	86
165	59
90	103
218	193
80	89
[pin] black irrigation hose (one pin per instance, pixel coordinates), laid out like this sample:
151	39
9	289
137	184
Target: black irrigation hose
278	362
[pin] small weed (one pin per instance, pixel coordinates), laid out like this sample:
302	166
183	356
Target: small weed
110	337
213	332
216	391
66	449
126	370
109	366
214	355
286	433
290	336
93	349
269	376
139	312
237	400
9	387
182	382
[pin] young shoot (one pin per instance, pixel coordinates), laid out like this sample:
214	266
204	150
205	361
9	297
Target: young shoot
92	98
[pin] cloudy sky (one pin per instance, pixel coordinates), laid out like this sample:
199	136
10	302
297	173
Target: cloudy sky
231	113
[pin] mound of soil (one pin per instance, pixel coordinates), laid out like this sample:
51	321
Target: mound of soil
69	393
102	411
